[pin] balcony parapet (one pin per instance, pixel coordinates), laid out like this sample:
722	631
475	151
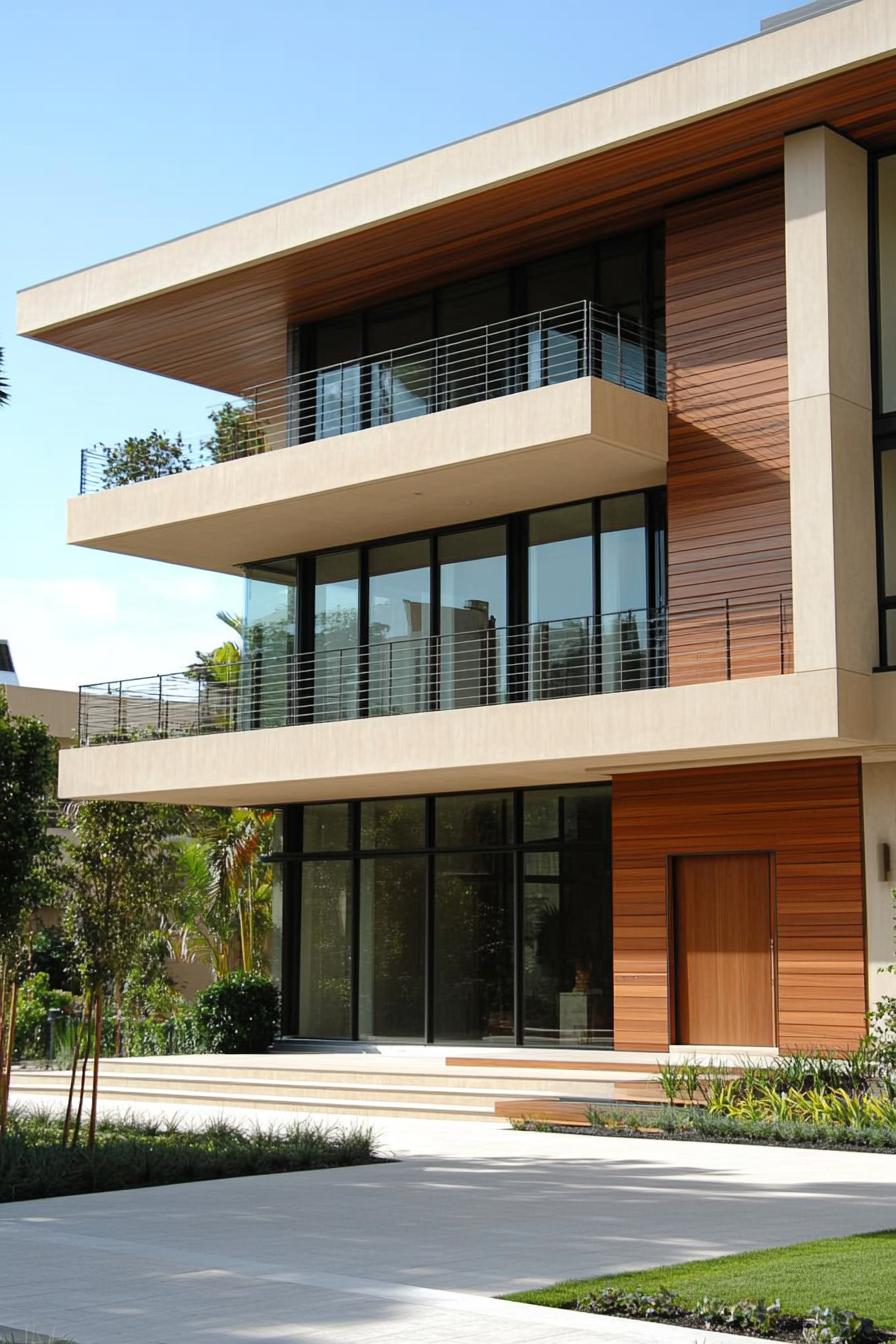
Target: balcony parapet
582	656
519	354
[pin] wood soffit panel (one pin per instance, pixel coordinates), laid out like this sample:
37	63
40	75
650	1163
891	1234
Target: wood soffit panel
227	332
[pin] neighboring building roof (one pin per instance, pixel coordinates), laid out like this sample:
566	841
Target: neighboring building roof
210	307
7	666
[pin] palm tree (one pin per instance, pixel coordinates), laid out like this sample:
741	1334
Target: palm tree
224	903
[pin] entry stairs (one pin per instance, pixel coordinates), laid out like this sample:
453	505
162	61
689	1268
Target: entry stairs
432	1086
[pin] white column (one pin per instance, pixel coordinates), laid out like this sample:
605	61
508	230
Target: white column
829	370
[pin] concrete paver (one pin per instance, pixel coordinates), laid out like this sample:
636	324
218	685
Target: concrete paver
415	1249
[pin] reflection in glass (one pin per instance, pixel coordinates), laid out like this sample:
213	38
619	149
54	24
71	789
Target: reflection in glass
338	383
473	956
561	601
399	627
473	819
473	614
555	344
888	519
392	948
623	593
393	823
325	826
325	956
336	636
621	274
401	384
567	949
475	364
269	631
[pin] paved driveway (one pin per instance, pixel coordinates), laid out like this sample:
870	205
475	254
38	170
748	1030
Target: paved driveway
409	1251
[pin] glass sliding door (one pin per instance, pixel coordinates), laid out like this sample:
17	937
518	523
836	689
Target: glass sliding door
886	283
399	627
337	390
401	382
336	619
473	947
622	277
561	601
325	949
624	622
473	617
558	287
475	364
567	919
392	958
265	668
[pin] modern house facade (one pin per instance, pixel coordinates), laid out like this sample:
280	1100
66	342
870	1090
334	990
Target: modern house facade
563	479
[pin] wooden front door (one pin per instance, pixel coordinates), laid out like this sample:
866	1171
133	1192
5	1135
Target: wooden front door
723	950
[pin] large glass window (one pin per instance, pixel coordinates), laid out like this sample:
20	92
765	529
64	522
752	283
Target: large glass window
269	631
462	617
473	617
558	287
886	283
337	402
476	365
401	385
399	627
561	601
325	961
336	616
473	947
477	917
391	964
623	593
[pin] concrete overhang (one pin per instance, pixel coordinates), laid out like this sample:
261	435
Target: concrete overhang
211	307
575	439
547	742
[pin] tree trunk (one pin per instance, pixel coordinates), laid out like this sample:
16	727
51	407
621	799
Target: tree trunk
7	1069
76	1055
76	1132
97	1047
117	1019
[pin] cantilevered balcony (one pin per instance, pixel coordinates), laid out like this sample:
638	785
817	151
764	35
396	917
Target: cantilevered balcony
530	411
480	666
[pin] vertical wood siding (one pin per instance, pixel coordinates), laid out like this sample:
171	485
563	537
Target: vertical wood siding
808	815
729	504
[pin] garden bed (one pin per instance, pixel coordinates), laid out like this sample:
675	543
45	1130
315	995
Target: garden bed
696	1126
132	1153
771	1294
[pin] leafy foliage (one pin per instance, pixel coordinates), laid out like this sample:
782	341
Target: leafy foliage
239	1013
130	1153
236	433
4	385
143	459
36	998
27	771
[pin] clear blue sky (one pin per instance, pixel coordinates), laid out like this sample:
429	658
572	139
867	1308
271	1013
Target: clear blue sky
127	122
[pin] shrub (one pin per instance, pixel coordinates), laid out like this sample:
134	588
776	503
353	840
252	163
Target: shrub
832	1325
143	459
36	998
238	1013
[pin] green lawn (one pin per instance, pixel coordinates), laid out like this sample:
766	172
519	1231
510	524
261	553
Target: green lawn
858	1273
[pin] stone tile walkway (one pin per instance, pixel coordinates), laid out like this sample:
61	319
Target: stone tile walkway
415	1250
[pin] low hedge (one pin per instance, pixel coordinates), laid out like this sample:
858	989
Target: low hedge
131	1153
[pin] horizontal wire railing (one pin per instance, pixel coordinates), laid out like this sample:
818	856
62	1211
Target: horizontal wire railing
480	665
515	355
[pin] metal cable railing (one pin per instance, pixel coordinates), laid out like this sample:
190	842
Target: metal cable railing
482	665
520	354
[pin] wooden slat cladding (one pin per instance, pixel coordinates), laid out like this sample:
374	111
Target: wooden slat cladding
807	814
228	331
729	504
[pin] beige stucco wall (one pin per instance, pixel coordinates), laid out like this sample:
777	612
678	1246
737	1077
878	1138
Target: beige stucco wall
829	372
57	709
583	437
675	96
552	741
879	805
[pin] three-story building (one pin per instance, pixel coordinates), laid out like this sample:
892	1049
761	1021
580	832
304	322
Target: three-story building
564	488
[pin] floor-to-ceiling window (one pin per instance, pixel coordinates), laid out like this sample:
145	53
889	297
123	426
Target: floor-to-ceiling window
558	601
481	917
269	641
885	398
381	364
